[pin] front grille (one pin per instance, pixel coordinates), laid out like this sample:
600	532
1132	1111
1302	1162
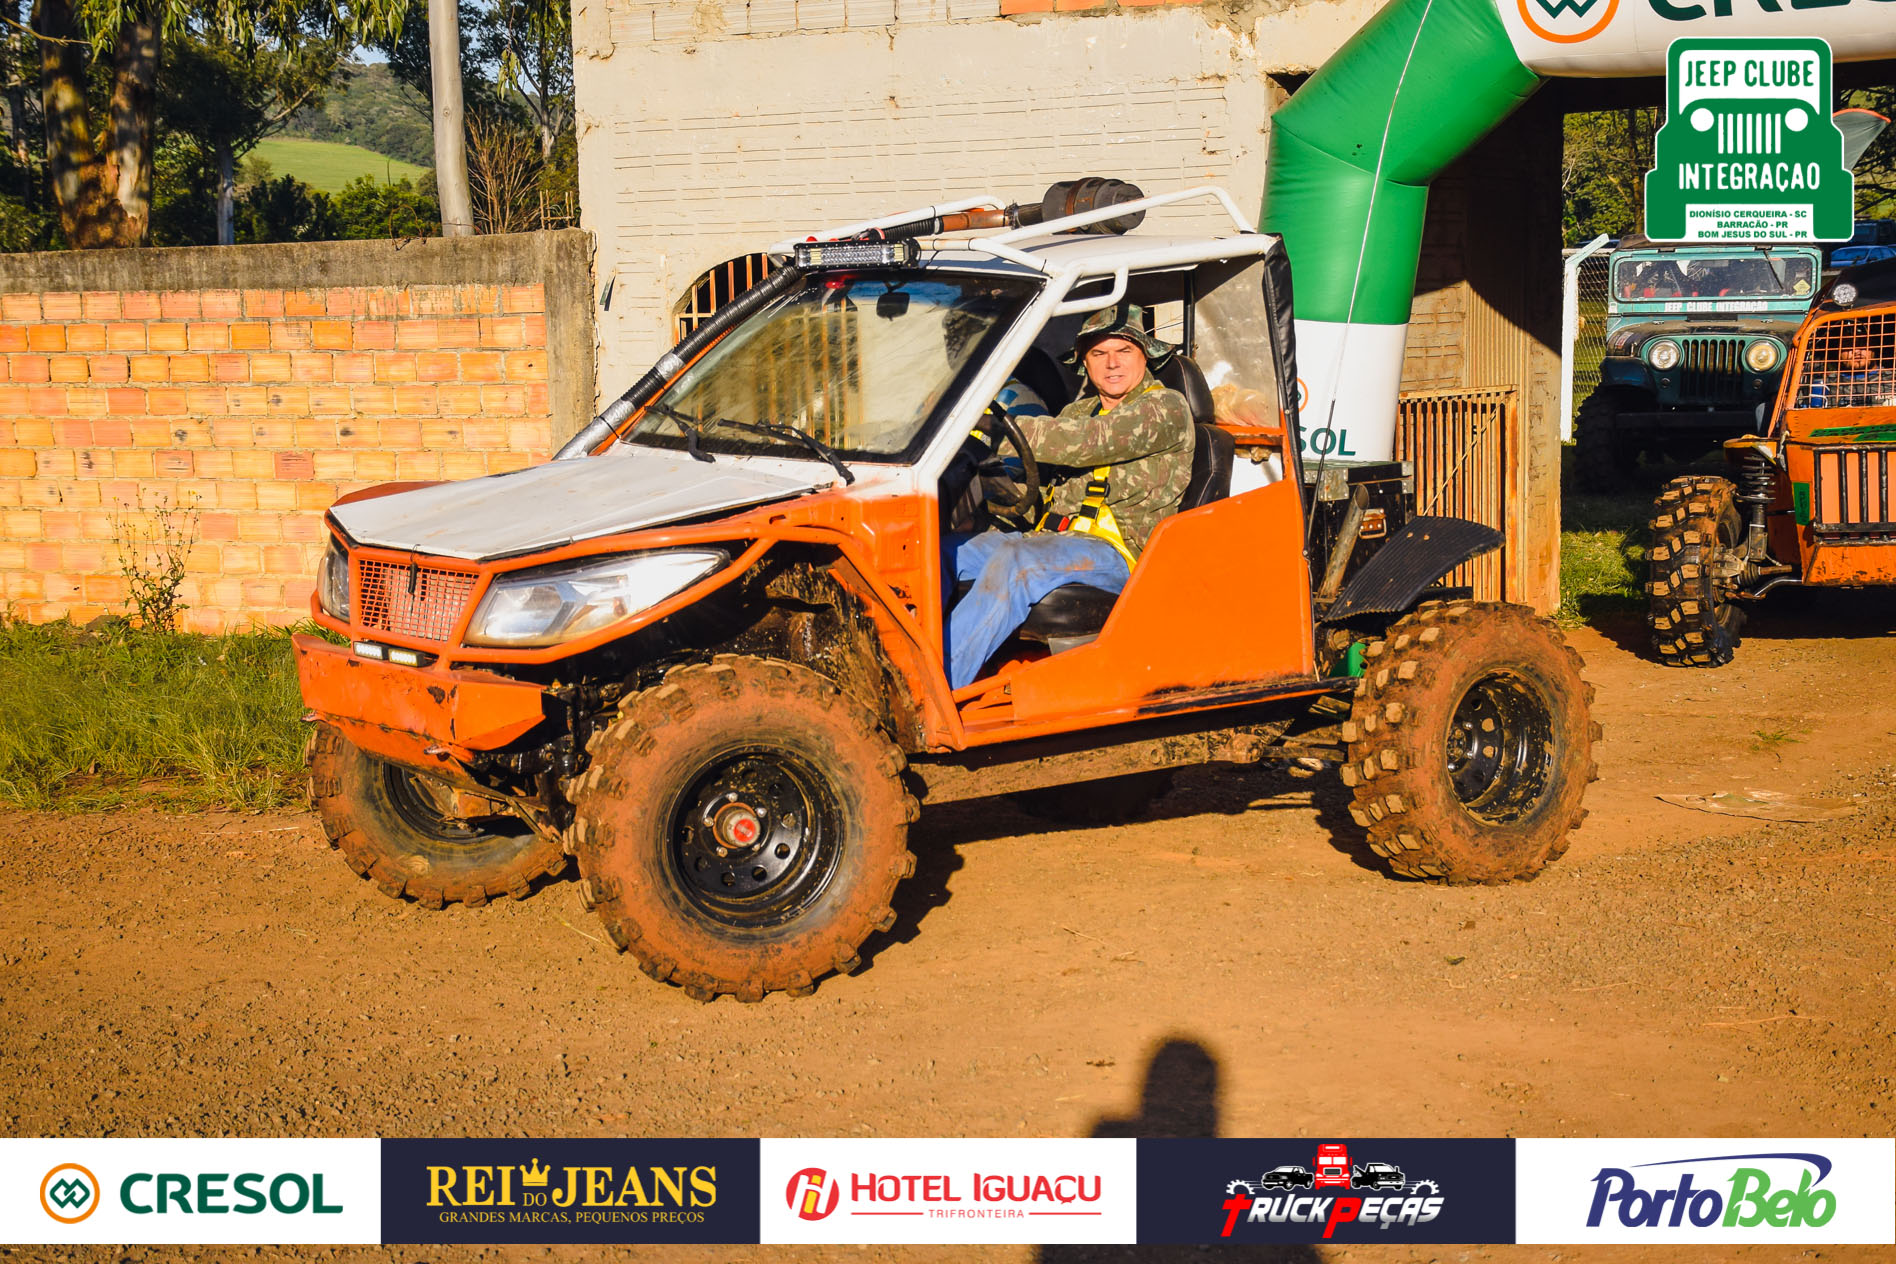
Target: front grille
1711	370
416	601
1851	490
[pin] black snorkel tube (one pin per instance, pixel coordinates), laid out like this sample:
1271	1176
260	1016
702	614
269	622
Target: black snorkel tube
673	362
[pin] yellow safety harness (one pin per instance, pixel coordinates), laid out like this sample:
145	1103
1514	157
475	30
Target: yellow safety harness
1095	517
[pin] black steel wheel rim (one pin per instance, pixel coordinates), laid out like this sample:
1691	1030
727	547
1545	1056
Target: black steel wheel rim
1501	748
756	837
421	803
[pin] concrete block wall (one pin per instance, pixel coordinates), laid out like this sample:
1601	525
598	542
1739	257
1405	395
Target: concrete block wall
253	389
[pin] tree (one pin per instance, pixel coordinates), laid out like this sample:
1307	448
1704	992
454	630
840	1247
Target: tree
227	93
101	170
536	64
1603	172
450	119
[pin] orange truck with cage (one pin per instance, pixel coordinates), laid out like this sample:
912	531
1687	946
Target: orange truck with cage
700	652
1811	500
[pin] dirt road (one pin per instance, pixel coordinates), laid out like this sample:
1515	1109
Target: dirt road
1233	965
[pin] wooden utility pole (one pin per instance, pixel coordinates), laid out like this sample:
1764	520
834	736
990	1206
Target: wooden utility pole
450	137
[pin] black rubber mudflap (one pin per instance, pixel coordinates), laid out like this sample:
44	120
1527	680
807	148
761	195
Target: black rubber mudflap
1415	557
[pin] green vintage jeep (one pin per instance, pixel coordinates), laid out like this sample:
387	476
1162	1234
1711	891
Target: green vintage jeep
1696	337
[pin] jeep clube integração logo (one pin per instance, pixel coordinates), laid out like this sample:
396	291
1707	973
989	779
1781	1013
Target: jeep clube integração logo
69	1193
535	1193
1731	1190
1748	151
1378	1194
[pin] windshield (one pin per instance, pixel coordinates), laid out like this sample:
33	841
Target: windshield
1748	276
863	362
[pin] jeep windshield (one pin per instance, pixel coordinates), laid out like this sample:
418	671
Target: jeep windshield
864	362
1752	275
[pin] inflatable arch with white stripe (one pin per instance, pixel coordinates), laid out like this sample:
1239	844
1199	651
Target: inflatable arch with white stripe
1353	152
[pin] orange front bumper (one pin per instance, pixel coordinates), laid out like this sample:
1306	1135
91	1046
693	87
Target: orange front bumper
412	715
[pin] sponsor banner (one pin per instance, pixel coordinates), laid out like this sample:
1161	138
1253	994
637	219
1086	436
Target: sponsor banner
1326	1190
1021	1190
596	1190
153	1190
1724	1190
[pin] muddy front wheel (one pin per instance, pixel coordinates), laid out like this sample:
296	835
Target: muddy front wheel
1696	557
1470	745
399	829
742	828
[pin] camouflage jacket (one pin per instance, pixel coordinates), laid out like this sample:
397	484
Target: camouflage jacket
1147	441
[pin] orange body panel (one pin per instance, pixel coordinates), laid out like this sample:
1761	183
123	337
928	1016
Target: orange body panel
402	712
1218	602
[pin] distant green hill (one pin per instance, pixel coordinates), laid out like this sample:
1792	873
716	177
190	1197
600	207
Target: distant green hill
369	107
329	166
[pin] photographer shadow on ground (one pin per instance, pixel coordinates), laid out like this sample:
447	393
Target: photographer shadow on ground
1179	1098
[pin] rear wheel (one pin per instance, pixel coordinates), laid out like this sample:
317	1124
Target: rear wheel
1604	456
742	828
400	830
1470	746
1697	560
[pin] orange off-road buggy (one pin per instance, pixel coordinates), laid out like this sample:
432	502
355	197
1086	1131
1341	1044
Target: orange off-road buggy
1811	501
702	652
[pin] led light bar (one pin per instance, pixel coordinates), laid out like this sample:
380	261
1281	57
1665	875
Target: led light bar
392	654
814	255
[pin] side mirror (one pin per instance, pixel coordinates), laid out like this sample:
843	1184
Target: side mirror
892	304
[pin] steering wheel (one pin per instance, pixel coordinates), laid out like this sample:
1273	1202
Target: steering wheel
1029	504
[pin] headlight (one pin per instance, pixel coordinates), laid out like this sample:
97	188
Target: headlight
1762	356
551	604
1663	354
332	583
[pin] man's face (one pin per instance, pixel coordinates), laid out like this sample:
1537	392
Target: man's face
1115	366
1858	358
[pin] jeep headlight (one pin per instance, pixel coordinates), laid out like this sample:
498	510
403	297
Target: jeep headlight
1762	356
1663	354
332	582
551	604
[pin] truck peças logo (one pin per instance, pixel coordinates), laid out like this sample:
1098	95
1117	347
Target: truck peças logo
1276	1196
532	1192
1748	1200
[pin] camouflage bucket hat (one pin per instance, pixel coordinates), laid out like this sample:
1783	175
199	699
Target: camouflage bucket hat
1124	320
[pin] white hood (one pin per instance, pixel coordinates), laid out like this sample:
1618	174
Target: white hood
545	506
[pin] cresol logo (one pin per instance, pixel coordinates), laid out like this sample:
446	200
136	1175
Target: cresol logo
1748	1198
1567	21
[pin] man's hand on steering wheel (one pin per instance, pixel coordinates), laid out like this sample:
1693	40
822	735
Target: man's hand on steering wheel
1026	505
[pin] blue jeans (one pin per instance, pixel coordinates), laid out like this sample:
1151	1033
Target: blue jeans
1010	573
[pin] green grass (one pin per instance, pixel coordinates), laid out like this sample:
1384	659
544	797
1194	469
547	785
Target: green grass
1603	549
117	716
329	165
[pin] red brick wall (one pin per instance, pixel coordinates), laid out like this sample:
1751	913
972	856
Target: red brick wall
255	408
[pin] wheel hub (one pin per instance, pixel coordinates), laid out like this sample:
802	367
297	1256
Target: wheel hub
1500	753
753	837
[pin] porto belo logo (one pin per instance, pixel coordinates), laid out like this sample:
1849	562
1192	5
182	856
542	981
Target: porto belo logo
1567	21
1749	1199
1371	1192
69	1193
812	1193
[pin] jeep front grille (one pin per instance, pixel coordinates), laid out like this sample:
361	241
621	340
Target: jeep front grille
1711	370
423	602
1850	494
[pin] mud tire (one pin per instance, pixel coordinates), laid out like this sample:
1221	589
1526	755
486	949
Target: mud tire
1110	801
386	835
1438	672
1604	459
672	751
1696	526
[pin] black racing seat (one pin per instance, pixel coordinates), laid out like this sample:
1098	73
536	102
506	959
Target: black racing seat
1074	614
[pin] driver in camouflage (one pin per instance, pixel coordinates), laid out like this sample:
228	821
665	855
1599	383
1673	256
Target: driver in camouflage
1126	448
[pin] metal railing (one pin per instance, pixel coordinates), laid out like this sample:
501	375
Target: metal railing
1461	442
